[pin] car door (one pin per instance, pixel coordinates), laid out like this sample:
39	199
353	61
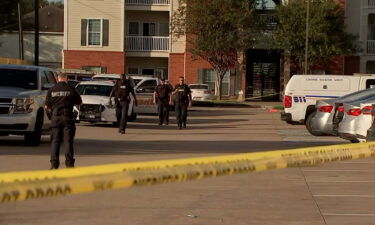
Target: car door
46	77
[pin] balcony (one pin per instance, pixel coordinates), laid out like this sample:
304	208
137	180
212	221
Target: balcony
147	43
371	47
147	5
147	2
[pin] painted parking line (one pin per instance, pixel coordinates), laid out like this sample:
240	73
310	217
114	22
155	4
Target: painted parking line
372	171
346	196
348	214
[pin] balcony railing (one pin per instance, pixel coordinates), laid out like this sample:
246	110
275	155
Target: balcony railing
147	43
371	47
371	3
147	2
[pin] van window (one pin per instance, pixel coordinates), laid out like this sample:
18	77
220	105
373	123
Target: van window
370	83
323	84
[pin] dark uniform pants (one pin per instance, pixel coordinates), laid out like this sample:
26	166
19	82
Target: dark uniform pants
122	109
163	110
181	109
63	132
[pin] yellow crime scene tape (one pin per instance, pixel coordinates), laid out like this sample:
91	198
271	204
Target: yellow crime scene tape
20	186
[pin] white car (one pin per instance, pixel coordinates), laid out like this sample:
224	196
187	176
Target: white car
357	120
95	102
200	92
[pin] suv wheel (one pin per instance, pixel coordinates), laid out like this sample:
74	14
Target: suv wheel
308	125
33	138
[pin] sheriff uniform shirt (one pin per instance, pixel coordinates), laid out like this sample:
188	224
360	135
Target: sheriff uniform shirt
62	95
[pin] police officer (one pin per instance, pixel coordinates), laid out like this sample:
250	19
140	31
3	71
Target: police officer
121	92
162	98
182	101
60	101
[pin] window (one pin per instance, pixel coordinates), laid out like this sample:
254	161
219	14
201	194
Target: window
95	69
50	77
43	79
98	90
94	31
370	83
148	71
132	70
147	87
164	29
25	79
133	28
209	77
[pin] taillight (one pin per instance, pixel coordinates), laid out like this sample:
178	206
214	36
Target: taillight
206	91
287	101
354	112
340	109
326	109
367	110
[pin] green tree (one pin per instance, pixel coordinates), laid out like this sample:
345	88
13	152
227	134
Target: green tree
217	31
327	35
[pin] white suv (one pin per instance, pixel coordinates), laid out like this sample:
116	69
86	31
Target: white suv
23	91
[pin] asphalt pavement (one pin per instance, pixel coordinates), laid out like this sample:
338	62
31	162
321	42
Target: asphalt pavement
335	194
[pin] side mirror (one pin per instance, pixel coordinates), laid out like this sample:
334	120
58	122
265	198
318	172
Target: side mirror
47	86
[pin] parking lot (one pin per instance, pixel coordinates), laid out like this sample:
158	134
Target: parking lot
334	194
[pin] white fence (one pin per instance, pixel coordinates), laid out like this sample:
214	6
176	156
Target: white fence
147	2
145	43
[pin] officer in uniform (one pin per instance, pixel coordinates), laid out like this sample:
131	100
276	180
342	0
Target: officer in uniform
162	99
182	101
60	101
121	92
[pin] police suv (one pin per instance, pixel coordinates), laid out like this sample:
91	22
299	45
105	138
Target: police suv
23	90
302	92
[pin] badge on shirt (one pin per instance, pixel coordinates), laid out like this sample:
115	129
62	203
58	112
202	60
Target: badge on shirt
123	87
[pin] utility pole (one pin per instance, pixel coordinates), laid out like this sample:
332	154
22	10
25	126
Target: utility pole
20	31
36	41
307	35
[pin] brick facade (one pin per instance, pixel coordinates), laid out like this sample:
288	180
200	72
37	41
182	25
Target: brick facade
113	61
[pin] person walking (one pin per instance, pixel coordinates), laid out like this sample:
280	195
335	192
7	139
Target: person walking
161	97
182	100
60	101
121	93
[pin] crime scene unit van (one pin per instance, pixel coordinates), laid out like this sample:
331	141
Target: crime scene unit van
302	92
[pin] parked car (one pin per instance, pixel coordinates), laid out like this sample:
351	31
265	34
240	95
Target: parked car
328	110
23	90
200	92
357	120
95	103
302	92
371	130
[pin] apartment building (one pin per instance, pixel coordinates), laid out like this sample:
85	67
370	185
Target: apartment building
360	20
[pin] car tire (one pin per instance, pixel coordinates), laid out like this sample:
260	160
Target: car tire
33	138
354	141
308	125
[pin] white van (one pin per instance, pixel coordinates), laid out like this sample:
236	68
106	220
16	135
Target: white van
302	92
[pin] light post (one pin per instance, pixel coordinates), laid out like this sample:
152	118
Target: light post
307	35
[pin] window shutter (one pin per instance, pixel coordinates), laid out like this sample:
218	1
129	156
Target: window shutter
200	76
83	32
105	32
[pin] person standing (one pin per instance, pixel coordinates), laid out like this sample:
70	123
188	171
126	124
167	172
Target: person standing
60	101
182	100
161	97
121	93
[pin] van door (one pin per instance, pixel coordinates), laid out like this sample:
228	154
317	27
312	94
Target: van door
144	91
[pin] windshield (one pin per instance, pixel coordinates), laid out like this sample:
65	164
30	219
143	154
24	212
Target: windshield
99	90
136	81
26	79
198	86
